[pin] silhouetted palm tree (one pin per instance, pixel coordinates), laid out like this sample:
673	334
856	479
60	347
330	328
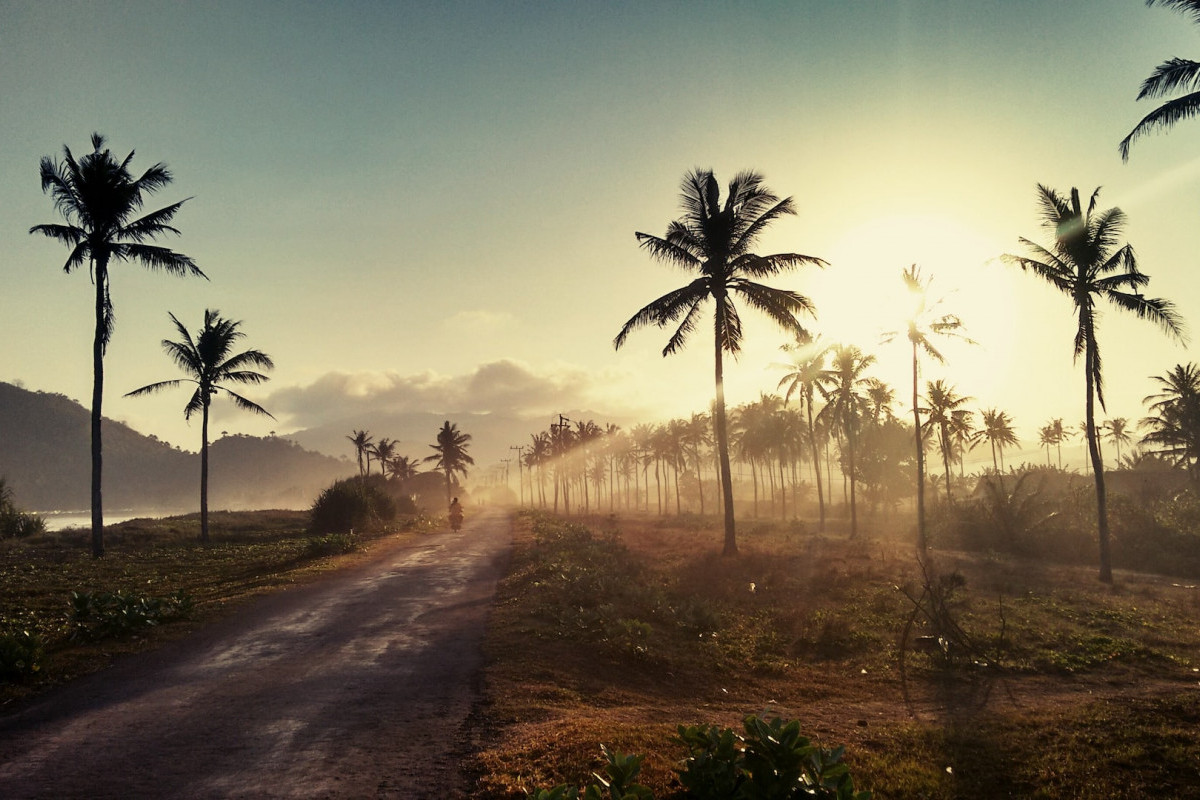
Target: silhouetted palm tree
806	369
840	386
210	362
402	468
944	402
99	199
1174	423
450	454
997	430
383	451
715	241
362	447
1169	76
924	322
1086	263
1117	433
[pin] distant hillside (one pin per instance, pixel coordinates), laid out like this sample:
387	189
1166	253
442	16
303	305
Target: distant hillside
45	457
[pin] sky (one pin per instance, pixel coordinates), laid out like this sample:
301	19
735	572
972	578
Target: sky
432	206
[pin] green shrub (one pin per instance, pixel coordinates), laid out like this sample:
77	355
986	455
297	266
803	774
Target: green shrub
349	505
21	655
102	615
13	522
331	544
619	782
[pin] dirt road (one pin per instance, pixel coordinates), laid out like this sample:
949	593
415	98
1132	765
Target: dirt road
355	686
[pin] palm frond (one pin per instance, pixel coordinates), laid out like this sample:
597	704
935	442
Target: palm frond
1155	309
664	310
1169	76
246	405
157	258
1190	8
155	387
664	250
1164	116
756	266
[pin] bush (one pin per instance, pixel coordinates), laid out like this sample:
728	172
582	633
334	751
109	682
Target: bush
352	504
21	655
331	544
102	615
14	523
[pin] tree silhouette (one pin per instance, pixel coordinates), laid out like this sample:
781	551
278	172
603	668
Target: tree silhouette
362	448
1117	432
1087	264
715	241
99	199
840	387
923	323
943	404
806	369
384	450
1174	421
997	430
1170	76
209	362
450	454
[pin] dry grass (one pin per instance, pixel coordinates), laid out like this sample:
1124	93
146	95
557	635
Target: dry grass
1091	691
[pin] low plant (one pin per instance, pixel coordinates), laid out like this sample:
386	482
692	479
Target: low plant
349	505
619	782
331	544
101	615
21	655
14	523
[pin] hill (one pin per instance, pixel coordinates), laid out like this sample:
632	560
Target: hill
45	457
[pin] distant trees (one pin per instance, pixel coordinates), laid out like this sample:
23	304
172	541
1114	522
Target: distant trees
450	454
1087	263
998	432
1170	76
362	449
99	199
715	242
210	364
804	376
841	385
944	405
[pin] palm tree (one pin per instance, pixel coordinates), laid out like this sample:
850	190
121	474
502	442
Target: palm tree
1086	264
362	447
806	369
924	322
1045	439
402	468
209	362
716	242
840	386
99	199
1169	76
998	431
383	451
1059	433
1174	421
450	454
1118	434
944	403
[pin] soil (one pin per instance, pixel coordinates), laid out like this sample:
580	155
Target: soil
358	685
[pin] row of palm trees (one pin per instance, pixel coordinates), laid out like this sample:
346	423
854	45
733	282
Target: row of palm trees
450	456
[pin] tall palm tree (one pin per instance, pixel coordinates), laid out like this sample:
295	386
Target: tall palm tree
362	447
402	468
998	431
384	450
716	241
1117	432
450	454
210	363
841	386
805	371
1170	76
100	199
943	402
1087	264
924	322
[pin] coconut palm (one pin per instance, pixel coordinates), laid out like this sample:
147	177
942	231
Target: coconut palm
402	468
99	199
210	363
450	454
805	371
1087	264
715	241
1168	77
383	451
997	430
924	322
942	404
840	386
1174	421
1117	432
362	448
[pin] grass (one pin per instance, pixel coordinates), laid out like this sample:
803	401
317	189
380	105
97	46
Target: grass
617	632
250	553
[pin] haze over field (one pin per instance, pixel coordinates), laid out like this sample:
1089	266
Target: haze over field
431	207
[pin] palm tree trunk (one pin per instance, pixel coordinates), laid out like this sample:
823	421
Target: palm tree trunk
723	447
922	544
946	459
812	433
204	474
853	482
97	401
1094	450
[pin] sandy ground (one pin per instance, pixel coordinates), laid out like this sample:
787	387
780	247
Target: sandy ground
359	685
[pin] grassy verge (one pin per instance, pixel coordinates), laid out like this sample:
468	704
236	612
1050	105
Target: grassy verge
151	561
618	632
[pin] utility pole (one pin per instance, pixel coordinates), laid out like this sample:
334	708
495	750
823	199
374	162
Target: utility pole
560	447
520	448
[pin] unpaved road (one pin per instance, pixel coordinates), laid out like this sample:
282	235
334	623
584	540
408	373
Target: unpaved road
358	685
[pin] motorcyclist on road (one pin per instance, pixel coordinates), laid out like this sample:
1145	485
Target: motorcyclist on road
456	514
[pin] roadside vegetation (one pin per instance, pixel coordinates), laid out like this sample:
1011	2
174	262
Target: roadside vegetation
975	675
64	613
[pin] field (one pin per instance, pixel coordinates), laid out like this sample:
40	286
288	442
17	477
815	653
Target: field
1045	683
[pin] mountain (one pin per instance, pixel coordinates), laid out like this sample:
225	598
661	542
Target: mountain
45	459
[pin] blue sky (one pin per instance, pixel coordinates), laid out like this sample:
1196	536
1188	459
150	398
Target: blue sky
431	206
